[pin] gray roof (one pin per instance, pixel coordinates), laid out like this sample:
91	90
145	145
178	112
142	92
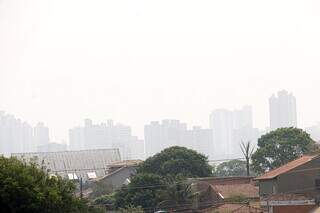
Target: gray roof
69	163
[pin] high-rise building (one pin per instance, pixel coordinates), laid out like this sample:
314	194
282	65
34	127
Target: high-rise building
230	128
221	122
283	111
15	135
159	136
200	140
105	136
41	134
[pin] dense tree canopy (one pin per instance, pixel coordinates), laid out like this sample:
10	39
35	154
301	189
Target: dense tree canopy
177	161
281	146
231	168
160	180
25	188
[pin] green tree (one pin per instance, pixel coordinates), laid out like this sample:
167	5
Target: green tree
177	161
143	190
280	147
25	188
231	168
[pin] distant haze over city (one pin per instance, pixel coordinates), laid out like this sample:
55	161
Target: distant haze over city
160	60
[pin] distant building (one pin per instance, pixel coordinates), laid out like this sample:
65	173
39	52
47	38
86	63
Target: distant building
102	136
161	135
15	135
52	147
41	134
200	140
283	110
87	164
221	121
230	128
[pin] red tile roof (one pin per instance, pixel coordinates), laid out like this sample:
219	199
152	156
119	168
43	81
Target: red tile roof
231	186
287	167
248	190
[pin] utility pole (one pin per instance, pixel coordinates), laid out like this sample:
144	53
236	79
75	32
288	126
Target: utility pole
81	193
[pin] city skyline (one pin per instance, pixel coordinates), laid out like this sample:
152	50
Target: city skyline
227	129
192	123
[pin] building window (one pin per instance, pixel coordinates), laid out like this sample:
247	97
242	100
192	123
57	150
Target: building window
72	176
91	175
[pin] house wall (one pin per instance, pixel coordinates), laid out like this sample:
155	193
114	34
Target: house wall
301	179
117	179
292	209
267	187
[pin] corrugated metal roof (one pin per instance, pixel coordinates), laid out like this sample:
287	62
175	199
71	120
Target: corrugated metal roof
73	162
287	167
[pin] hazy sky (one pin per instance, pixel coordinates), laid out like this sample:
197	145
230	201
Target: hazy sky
135	61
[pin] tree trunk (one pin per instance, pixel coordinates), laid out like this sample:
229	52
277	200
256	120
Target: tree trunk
248	167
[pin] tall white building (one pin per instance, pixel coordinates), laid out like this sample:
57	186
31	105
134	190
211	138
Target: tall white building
161	135
230	128
283	110
17	136
41	134
105	136
221	122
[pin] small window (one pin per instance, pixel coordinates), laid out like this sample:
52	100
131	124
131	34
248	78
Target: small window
72	176
92	175
317	183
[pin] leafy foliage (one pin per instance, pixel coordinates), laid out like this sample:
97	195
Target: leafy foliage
231	168
131	209
177	161
142	191
25	188
104	200
281	146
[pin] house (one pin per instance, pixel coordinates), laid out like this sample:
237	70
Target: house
229	187
293	187
225	189
119	173
299	176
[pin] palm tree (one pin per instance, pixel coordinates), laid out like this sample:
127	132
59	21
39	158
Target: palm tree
247	151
